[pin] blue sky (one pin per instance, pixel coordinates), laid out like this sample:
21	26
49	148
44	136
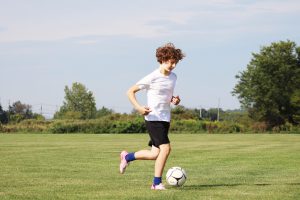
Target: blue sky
109	45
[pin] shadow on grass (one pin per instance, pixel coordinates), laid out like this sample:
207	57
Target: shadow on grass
199	187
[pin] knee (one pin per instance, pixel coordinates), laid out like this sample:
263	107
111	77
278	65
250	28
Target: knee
154	155
165	149
169	149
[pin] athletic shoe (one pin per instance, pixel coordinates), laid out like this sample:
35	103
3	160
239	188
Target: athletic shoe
158	187
123	163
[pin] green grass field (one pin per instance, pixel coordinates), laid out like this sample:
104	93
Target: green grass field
85	166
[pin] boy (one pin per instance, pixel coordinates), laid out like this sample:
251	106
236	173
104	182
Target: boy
159	86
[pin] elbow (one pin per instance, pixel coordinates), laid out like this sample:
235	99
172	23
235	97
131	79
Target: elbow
131	92
128	92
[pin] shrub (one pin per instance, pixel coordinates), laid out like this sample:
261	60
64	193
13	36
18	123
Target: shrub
123	123
259	127
27	125
103	125
189	125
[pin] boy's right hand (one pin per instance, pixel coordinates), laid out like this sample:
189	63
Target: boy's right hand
144	110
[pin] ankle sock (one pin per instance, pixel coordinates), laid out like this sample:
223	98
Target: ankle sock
130	157
157	180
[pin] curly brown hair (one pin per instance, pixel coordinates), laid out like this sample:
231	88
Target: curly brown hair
168	52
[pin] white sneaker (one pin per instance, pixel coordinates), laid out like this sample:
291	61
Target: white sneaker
123	162
158	187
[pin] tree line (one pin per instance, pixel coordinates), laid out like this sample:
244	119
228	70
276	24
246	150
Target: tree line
268	90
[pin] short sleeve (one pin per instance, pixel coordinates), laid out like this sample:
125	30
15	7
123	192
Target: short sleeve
145	82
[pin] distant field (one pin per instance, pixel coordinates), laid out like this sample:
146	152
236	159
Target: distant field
85	166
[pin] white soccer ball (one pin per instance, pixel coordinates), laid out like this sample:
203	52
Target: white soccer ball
176	176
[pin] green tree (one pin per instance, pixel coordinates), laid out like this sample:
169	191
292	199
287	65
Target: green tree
104	112
266	87
79	103
38	117
295	101
181	112
19	111
3	116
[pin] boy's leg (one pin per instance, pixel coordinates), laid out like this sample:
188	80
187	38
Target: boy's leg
147	154
161	159
159	166
159	154
139	155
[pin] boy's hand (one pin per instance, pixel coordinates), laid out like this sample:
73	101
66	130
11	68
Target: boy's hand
175	100
144	110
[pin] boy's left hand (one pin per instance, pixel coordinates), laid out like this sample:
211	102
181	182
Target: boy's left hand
175	100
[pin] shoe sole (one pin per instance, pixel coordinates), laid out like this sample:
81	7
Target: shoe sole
121	171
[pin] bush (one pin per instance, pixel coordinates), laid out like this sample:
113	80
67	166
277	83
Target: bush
124	123
103	125
27	125
197	126
186	126
259	127
16	118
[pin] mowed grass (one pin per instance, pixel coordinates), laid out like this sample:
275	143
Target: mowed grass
85	166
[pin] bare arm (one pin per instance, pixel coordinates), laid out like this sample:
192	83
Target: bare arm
144	110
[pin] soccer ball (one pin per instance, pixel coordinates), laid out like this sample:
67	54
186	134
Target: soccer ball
176	176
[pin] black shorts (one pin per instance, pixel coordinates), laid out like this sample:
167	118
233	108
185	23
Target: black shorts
158	132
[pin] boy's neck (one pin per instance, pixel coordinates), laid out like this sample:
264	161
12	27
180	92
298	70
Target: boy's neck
163	71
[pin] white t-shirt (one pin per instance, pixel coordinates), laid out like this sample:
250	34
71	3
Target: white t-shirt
159	94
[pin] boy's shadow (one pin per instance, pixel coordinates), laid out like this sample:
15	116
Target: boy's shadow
199	187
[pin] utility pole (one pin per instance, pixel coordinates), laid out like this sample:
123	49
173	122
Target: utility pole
200	112
218	109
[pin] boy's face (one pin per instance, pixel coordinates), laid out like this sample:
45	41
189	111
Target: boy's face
169	65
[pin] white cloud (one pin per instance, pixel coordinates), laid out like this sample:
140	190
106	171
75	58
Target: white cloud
33	21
